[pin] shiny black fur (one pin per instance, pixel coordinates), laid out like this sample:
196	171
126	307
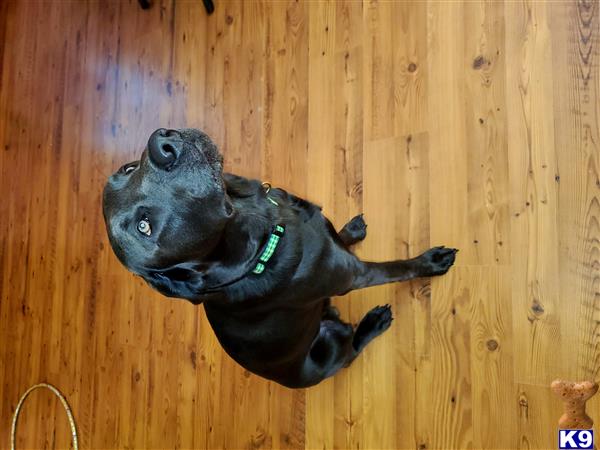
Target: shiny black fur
207	231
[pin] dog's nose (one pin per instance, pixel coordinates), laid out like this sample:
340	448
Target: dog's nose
164	147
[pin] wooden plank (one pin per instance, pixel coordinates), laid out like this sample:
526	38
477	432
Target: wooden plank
408	39
321	181
347	72
284	145
533	193
382	182
451	383
492	356
486	135
396	205
285	105
447	137
539	410
575	33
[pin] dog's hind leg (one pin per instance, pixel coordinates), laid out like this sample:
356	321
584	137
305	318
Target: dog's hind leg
330	311
354	231
435	261
375	322
337	345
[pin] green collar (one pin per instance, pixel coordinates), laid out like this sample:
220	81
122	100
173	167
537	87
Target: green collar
269	249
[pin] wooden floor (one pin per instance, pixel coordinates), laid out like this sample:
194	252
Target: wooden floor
473	125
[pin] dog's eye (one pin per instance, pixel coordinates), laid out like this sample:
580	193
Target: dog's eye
128	168
144	227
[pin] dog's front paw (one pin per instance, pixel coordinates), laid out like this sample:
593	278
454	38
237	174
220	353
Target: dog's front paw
357	227
437	261
354	231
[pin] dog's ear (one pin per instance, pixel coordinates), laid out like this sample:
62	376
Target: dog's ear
240	187
179	282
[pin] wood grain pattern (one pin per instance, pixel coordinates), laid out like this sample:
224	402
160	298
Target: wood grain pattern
533	170
467	124
486	134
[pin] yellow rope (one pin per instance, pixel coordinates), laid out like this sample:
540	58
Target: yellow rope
62	399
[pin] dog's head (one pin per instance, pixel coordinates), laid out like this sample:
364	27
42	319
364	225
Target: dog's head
166	212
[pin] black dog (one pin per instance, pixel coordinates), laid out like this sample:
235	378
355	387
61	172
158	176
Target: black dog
263	262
